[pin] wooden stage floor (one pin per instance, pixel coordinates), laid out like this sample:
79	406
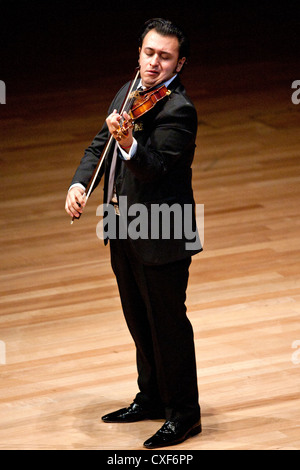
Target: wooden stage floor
68	356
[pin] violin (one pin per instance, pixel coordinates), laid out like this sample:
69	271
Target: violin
137	103
147	101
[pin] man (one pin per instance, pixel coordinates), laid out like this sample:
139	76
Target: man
152	166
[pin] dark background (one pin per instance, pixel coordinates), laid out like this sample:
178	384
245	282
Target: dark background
53	45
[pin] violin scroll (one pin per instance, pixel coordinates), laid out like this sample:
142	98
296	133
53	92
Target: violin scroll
123	129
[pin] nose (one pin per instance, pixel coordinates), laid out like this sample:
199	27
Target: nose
154	61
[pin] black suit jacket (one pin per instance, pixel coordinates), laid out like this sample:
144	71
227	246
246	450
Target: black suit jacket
159	173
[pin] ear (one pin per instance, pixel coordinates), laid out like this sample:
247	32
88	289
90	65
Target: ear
180	64
139	54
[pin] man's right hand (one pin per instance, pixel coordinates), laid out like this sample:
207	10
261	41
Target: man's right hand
75	201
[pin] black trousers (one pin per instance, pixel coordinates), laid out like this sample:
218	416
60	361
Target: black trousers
153	301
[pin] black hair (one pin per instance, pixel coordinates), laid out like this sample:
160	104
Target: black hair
167	28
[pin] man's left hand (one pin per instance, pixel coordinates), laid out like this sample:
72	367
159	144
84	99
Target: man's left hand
113	122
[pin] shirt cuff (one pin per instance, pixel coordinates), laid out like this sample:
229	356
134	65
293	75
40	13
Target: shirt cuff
127	156
77	184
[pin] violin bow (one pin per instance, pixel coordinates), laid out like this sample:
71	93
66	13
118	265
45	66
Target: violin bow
106	149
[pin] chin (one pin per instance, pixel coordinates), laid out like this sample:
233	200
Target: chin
150	84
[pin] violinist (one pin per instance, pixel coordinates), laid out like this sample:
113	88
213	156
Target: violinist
150	163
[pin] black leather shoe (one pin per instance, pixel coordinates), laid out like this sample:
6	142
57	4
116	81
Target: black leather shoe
132	414
172	433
